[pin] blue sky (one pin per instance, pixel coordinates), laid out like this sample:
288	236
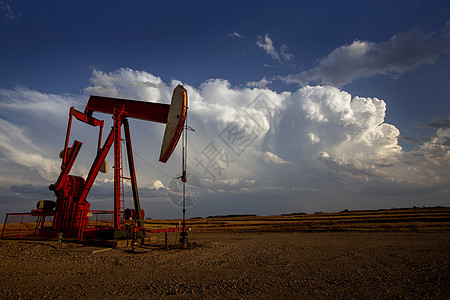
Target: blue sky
357	93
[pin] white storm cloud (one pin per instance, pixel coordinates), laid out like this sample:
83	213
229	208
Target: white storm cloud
326	119
15	146
29	123
403	52
299	145
126	82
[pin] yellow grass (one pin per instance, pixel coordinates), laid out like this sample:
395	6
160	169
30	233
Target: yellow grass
435	219
427	219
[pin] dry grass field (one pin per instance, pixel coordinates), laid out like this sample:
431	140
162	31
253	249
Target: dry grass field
414	219
417	219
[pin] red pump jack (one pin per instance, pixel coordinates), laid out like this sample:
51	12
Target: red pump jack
72	210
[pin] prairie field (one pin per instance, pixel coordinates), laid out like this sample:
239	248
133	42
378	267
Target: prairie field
413	219
416	219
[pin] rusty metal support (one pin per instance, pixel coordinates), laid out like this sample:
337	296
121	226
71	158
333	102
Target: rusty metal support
69	125
66	166
95	168
117	166
134	186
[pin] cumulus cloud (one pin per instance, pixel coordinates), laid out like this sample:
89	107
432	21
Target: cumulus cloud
16	146
157	184
28	120
126	82
403	52
259	84
268	157
8	12
267	45
253	145
285	54
235	35
439	123
313	126
326	119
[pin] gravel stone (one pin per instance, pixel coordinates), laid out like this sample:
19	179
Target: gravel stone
236	265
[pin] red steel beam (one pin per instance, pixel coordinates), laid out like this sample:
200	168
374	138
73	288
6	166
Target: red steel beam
95	168
70	160
149	111
137	204
117	166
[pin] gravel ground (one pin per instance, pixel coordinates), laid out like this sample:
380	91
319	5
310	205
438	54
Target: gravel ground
236	265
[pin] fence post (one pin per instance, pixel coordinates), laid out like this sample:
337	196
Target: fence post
58	243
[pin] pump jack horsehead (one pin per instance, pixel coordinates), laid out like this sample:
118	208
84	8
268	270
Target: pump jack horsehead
72	210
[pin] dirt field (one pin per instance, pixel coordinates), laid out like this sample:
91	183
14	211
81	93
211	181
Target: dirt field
237	265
